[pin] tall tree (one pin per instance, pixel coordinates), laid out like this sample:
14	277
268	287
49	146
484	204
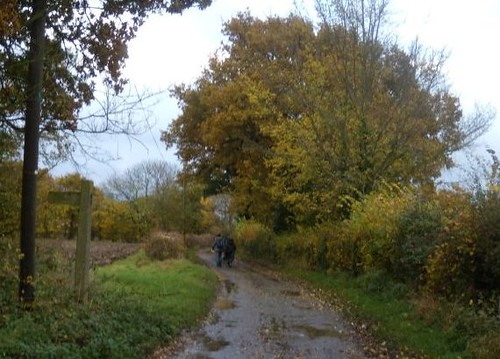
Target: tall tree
220	134
305	116
57	76
30	164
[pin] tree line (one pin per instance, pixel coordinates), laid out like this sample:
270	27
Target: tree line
120	212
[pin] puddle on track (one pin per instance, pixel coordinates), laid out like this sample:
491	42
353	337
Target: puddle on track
291	293
224	304
313	332
228	286
213	345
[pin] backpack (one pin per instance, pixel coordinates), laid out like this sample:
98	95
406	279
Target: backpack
219	243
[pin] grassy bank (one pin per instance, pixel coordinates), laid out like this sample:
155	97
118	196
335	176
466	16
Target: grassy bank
178	288
406	326
135	306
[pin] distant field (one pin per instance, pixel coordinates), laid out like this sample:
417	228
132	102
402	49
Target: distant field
101	252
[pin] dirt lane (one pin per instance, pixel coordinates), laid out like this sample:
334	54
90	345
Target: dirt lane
258	315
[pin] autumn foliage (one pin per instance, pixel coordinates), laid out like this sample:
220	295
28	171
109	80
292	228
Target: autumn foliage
329	138
113	219
290	118
429	242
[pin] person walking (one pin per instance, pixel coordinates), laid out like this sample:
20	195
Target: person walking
218	247
229	251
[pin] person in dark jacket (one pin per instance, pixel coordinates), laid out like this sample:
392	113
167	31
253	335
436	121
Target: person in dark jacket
229	250
218	248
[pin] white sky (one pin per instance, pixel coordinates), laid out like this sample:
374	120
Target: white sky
173	49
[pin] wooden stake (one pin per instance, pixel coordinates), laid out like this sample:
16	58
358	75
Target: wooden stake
83	200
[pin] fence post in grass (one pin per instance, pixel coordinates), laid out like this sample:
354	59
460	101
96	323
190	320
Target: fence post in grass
82	262
83	200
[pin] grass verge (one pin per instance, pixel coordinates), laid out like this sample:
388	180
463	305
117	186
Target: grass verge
388	314
136	306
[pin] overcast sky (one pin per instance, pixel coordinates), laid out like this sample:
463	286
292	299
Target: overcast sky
174	49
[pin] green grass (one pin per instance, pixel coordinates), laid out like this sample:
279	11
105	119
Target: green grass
135	306
388	313
178	288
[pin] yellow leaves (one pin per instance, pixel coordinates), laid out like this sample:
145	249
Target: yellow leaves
10	197
309	116
452	263
120	221
10	21
374	223
495	188
209	219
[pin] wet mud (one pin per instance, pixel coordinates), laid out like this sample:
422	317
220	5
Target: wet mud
258	315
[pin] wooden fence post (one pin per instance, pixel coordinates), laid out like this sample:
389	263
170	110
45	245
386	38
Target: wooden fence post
82	261
83	200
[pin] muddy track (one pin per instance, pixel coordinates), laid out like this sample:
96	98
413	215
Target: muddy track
259	315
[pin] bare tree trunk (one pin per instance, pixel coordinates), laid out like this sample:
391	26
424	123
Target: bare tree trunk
30	164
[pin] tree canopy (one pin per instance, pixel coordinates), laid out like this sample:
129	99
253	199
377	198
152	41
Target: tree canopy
86	42
292	117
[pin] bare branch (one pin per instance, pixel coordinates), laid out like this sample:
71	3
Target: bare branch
127	113
475	124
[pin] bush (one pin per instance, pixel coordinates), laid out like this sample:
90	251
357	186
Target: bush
9	269
445	243
487	217
370	233
120	221
307	248
451	265
255	239
10	197
161	246
418	230
344	251
382	284
199	240
292	248
317	245
473	327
